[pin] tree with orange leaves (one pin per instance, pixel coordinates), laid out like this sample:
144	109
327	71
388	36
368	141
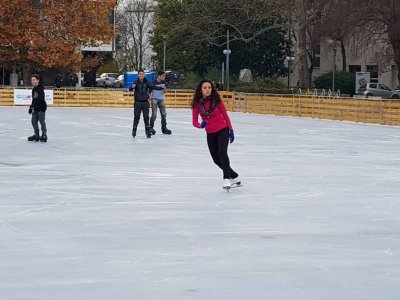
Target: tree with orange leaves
49	33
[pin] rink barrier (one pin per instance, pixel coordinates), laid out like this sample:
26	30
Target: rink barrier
386	112
6	97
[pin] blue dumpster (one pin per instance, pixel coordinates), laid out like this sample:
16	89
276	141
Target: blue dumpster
131	77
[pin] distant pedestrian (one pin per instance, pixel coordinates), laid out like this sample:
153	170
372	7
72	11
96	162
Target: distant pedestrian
58	81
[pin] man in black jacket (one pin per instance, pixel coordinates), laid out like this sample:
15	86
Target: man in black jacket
58	81
141	90
38	110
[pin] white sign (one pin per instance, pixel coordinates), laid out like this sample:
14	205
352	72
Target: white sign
24	96
361	79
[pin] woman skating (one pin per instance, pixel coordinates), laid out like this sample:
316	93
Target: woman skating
207	103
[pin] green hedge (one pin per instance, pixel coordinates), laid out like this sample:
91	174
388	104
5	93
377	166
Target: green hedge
344	81
262	85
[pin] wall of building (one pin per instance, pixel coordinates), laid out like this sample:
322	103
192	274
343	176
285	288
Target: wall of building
356	61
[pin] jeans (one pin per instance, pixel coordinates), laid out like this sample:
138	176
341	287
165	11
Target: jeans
39	116
161	106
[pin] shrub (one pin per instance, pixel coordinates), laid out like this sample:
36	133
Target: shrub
262	85
108	68
344	81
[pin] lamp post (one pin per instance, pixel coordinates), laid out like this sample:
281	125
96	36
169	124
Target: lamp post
153	58
333	44
165	49
227	52
184	60
290	60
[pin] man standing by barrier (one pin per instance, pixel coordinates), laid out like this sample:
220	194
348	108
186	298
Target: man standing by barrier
158	90
141	90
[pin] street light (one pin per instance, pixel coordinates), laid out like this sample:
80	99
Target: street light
333	44
290	60
184	59
153	58
227	52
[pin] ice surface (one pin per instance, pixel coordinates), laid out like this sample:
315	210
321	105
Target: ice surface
95	214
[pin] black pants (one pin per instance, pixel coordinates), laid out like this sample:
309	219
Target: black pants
218	145
139	107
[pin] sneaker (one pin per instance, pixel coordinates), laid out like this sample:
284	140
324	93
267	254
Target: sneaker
227	184
34	137
236	181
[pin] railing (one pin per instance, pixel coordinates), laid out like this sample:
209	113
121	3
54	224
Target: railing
385	112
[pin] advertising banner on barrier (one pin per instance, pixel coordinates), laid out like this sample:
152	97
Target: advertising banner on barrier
24	96
361	79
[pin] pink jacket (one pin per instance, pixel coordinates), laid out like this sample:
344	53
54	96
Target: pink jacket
218	120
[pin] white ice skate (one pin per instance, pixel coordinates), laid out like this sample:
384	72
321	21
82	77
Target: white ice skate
227	184
236	182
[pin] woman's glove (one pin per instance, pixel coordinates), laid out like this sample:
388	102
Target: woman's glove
231	136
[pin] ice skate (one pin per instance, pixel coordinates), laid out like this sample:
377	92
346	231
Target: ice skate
227	184
34	138
43	138
134	131
236	182
166	131
152	131
148	132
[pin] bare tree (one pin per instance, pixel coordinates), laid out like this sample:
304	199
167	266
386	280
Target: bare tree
208	20
336	24
380	21
134	24
306	19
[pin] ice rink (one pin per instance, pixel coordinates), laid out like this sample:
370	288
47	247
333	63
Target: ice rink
95	214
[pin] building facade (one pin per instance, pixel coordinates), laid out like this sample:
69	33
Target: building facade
358	59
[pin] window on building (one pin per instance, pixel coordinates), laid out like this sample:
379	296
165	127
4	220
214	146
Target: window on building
374	71
354	68
317	56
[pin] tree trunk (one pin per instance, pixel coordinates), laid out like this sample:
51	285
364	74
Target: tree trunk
344	59
27	73
304	76
394	37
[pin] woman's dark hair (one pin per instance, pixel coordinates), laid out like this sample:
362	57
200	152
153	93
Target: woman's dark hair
36	76
215	98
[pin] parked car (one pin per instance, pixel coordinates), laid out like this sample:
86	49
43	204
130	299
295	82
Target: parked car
119	83
378	90
106	79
